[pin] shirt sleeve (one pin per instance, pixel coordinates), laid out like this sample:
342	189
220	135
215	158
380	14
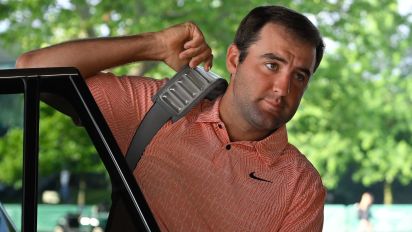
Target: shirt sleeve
307	206
123	102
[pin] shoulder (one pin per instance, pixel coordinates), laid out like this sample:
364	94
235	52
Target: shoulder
124	93
301	171
123	101
105	81
306	193
297	160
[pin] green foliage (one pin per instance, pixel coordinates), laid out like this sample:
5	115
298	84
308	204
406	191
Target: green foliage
355	112
11	116
359	101
62	145
11	158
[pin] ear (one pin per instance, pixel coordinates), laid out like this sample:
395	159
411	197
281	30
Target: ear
232	58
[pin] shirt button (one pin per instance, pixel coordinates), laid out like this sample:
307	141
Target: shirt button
228	147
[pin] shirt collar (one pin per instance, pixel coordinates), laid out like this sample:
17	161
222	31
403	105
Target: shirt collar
208	111
268	149
271	147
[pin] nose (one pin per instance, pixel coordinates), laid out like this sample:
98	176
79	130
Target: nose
281	85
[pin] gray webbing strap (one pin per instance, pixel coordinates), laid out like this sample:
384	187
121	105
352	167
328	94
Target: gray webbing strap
155	118
182	92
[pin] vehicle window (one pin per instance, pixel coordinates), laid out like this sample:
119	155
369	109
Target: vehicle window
11	153
73	185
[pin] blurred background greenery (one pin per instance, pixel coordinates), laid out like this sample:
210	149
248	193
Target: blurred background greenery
354	124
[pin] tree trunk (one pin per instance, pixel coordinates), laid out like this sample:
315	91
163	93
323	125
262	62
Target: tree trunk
81	197
387	193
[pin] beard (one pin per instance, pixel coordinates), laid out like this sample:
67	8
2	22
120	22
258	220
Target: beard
262	119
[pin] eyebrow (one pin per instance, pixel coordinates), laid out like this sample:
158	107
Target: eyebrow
272	56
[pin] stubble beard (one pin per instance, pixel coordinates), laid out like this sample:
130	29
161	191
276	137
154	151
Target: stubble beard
261	120
255	117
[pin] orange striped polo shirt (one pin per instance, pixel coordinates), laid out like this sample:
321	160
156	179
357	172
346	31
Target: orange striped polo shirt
195	179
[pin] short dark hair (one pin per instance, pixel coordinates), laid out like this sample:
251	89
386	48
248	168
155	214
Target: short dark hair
298	24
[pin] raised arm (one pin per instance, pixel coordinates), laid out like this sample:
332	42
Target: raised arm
176	46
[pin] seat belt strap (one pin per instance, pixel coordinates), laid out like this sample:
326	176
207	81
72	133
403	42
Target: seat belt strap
156	117
176	98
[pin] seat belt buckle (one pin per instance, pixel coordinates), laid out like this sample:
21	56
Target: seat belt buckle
186	88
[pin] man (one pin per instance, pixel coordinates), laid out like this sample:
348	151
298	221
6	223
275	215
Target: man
227	165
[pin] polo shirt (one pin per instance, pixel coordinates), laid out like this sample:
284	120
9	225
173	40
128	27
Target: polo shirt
195	179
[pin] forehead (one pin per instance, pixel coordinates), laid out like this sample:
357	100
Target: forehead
277	39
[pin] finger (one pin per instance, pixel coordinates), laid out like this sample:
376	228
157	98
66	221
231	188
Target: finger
205	57
193	52
197	38
199	53
209	63
193	43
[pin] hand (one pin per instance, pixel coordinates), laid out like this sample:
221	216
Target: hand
184	44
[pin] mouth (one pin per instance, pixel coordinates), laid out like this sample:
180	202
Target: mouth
273	105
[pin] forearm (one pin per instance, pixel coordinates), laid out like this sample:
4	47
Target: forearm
93	55
176	46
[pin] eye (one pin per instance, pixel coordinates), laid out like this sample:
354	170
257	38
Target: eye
301	77
272	66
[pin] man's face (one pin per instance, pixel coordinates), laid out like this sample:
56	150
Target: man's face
268	85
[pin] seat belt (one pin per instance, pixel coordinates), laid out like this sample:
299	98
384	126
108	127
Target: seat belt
176	98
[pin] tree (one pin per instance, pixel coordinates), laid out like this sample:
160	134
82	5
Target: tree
365	107
12	117
62	146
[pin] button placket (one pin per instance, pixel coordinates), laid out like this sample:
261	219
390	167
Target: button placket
221	132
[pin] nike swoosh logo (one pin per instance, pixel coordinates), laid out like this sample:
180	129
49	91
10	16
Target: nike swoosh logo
252	175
